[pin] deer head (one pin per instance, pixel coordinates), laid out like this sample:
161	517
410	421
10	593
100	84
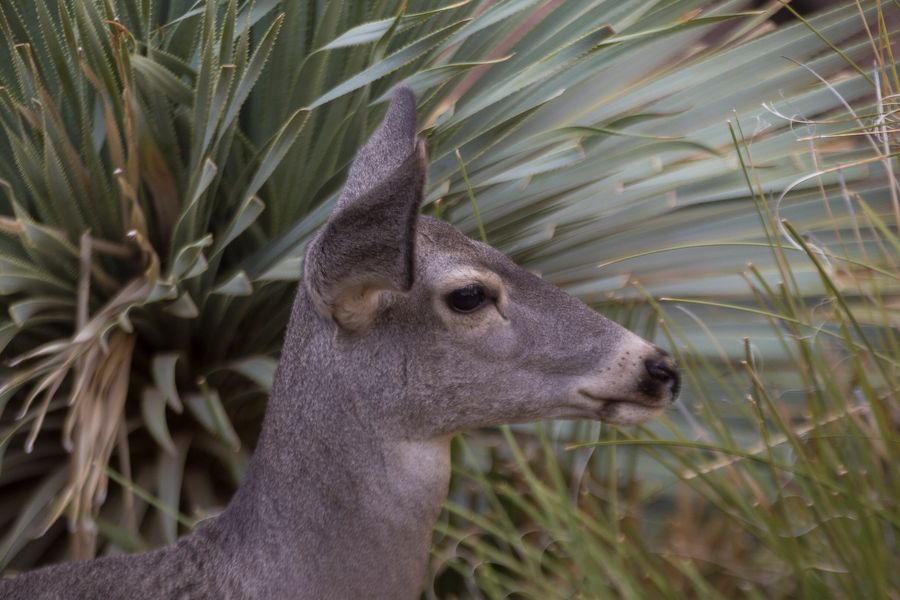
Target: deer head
474	339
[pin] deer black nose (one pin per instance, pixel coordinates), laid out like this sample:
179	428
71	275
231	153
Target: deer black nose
663	371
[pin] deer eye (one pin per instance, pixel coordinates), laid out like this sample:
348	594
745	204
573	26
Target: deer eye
467	299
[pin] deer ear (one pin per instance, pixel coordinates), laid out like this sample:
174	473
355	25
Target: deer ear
367	245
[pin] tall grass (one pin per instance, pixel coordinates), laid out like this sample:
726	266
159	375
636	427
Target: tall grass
777	476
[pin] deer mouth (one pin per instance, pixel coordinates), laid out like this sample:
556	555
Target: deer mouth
617	411
627	413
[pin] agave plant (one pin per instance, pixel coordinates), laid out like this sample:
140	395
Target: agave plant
168	161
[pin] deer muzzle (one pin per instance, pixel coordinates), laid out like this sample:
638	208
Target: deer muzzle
635	386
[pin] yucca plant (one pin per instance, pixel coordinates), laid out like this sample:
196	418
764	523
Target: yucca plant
168	160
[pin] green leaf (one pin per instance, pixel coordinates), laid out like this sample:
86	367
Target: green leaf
208	410
184	307
164	373
558	158
237	285
169	477
361	34
276	150
672	27
245	216
28	519
21	312
258	369
251	74
7	332
190	261
187	222
427	79
152	76
153	412
498	13
388	65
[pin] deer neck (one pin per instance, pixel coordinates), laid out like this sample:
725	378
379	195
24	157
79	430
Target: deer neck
333	505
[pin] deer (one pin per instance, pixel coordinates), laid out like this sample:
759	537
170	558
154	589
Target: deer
403	333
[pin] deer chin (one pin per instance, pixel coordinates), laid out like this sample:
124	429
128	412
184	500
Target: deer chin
620	412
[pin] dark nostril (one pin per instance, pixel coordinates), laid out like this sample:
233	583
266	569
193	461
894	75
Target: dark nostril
659	370
663	370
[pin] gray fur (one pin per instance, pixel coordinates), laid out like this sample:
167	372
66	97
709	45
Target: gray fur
377	373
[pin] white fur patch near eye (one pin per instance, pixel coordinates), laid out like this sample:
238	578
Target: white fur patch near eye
461	277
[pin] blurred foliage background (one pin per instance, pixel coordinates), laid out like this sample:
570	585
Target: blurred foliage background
720	183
